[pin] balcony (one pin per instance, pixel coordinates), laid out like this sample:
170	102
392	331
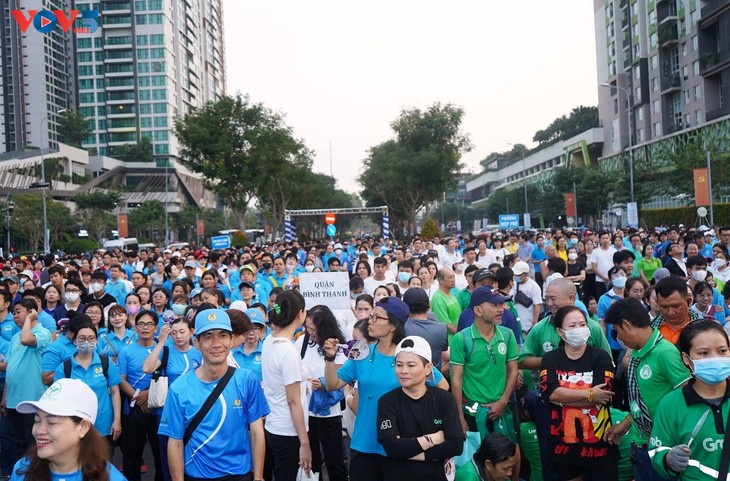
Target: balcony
671	83
666	12
625	23
718	113
668	34
713	8
627	63
672	126
711	63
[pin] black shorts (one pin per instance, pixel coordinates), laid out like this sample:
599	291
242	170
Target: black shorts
602	472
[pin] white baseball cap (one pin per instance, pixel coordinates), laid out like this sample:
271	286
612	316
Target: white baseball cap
239	305
416	345
65	397
520	268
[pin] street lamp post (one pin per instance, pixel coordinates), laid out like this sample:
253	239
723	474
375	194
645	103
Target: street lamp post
631	150
46	233
524	173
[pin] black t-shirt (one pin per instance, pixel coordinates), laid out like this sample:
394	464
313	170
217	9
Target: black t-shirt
575	269
105	300
402	419
576	433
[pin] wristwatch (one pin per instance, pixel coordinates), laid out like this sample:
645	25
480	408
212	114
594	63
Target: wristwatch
329	358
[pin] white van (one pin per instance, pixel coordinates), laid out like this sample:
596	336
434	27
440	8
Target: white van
123	244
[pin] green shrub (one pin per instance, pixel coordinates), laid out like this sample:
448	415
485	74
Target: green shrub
430	229
682	215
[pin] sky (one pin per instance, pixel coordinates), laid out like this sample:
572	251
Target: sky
341	72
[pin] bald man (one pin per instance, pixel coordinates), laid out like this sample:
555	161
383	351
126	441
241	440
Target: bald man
543	336
444	304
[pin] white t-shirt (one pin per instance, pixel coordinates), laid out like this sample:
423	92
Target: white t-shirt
371	284
448	260
603	261
314	364
280	367
486	259
532	289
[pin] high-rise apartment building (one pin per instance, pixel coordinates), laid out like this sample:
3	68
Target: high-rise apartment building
663	67
149	61
36	77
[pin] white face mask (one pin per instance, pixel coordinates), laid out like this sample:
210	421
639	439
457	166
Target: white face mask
71	297
718	263
699	276
572	256
577	337
97	286
309	268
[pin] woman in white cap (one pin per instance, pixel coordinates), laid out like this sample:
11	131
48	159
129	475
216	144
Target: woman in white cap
63	430
418	426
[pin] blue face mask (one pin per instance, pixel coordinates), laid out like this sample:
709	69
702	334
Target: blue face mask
518	279
712	370
404	277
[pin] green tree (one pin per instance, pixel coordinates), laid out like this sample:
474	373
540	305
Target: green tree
94	212
235	144
579	120
141	151
28	224
416	167
74	128
147	221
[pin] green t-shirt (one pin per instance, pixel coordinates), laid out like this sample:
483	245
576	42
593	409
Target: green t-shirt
488	360
464	298
649	267
660	371
468	472
625	467
446	309
531	447
544	338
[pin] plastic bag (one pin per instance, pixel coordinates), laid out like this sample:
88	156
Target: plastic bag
471	444
302	475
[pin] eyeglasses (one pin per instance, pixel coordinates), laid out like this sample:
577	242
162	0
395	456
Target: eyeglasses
374	318
73	291
86	339
146	324
92	313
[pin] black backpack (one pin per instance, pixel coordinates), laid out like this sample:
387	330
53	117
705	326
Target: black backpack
104	366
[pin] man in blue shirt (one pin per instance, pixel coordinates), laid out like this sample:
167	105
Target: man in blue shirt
115	286
209	454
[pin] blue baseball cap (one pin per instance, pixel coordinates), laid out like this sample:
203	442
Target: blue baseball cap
393	305
486	294
212	319
256	316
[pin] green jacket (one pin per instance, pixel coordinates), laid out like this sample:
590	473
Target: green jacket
678	415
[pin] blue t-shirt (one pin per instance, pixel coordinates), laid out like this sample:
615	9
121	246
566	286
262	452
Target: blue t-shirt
252	361
118	290
47	321
604	303
538	255
4	350
178	363
8	328
221	445
22	465
94	378
130	362
375	376
110	345
59	350
23	381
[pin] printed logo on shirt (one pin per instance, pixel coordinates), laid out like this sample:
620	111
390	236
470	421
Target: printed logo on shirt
645	372
99	370
195	364
712	445
502	349
438	421
386	424
237	403
547	346
257	359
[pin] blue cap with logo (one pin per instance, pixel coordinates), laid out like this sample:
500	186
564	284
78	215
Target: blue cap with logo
393	305
256	316
212	319
486	294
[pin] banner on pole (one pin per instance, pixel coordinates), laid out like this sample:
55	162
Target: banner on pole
570	209
702	188
122	225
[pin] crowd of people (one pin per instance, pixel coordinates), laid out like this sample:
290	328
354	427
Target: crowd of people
554	354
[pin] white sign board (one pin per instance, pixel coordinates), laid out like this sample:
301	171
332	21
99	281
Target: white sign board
331	289
632	212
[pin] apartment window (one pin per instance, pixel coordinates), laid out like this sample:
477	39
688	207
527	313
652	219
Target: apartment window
637	94
655	84
687	120
83	43
159	108
698	117
655	107
86	98
157	39
697	92
695	43
640	115
155	4
685	72
637	73
159	80
685	94
657	129
144	95
143	54
159	94
145	109
162	149
684	49
653	40
86	84
640	135
696	67
161	135
161	122
145	122
156	19
144	81
85	56
654	62
142	40
693	16
140	5
98	42
141	19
